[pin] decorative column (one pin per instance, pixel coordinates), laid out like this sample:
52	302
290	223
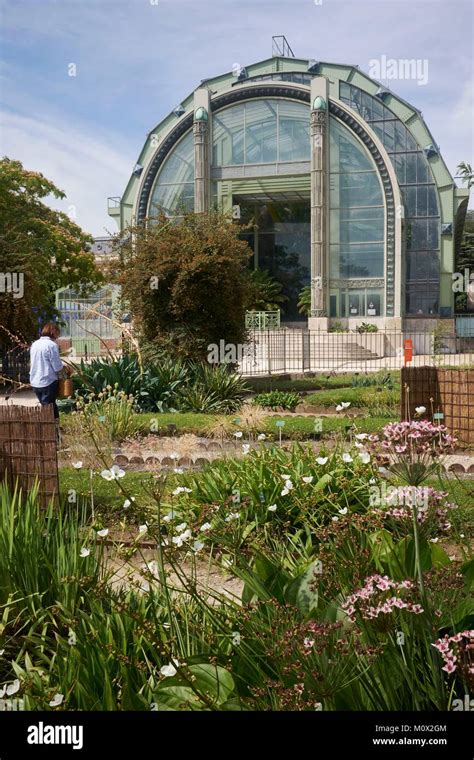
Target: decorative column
202	181
319	283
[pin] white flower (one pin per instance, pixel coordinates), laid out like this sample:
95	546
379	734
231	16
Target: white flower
285	477
56	700
364	457
178	470
114	473
346	457
170	516
238	434
142	529
272	508
179	540
84	552
361	436
342	511
103	533
205	526
181	527
420	409
77	465
285	492
168	671
128	502
245	448
71	639
197	546
261	437
322	460
288	485
12	688
174	455
372	481
308	479
335	519
343	405
232	516
359	445
181	489
434	540
2	652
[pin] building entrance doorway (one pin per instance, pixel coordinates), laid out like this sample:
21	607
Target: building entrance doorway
280	239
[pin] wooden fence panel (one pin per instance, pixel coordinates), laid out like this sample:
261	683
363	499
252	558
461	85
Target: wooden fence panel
449	391
28	449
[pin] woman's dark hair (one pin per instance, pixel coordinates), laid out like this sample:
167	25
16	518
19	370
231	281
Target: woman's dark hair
50	330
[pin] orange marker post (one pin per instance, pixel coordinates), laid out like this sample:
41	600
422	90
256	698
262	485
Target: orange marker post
407	351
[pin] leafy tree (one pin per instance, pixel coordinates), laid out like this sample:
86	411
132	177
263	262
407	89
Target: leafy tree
41	250
185	281
465	258
304	302
466	173
265	292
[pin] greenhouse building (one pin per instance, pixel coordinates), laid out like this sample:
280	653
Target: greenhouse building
342	182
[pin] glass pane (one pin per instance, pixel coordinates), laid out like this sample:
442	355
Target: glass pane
377	109
411	168
410	200
345	151
357	260
389	135
179	165
345	92
356	303
374	302
432	201
399	161
411	142
433	234
260	132
422	201
172	199
378	129
228	136
400	136
358	189
294	121
422	168
366	107
417	235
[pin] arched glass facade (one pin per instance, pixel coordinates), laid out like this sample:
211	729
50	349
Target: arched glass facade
257	156
420	198
357	223
174	186
261	131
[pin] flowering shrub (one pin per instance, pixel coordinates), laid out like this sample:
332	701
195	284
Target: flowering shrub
411	449
431	509
372	600
457	653
413	439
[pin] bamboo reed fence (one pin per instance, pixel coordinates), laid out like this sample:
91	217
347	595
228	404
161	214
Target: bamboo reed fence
28	449
447	394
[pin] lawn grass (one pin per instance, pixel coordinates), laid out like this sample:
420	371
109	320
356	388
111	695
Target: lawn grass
358	397
107	496
294	428
323	381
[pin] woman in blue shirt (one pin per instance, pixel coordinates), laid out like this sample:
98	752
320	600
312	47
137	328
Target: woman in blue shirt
45	366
